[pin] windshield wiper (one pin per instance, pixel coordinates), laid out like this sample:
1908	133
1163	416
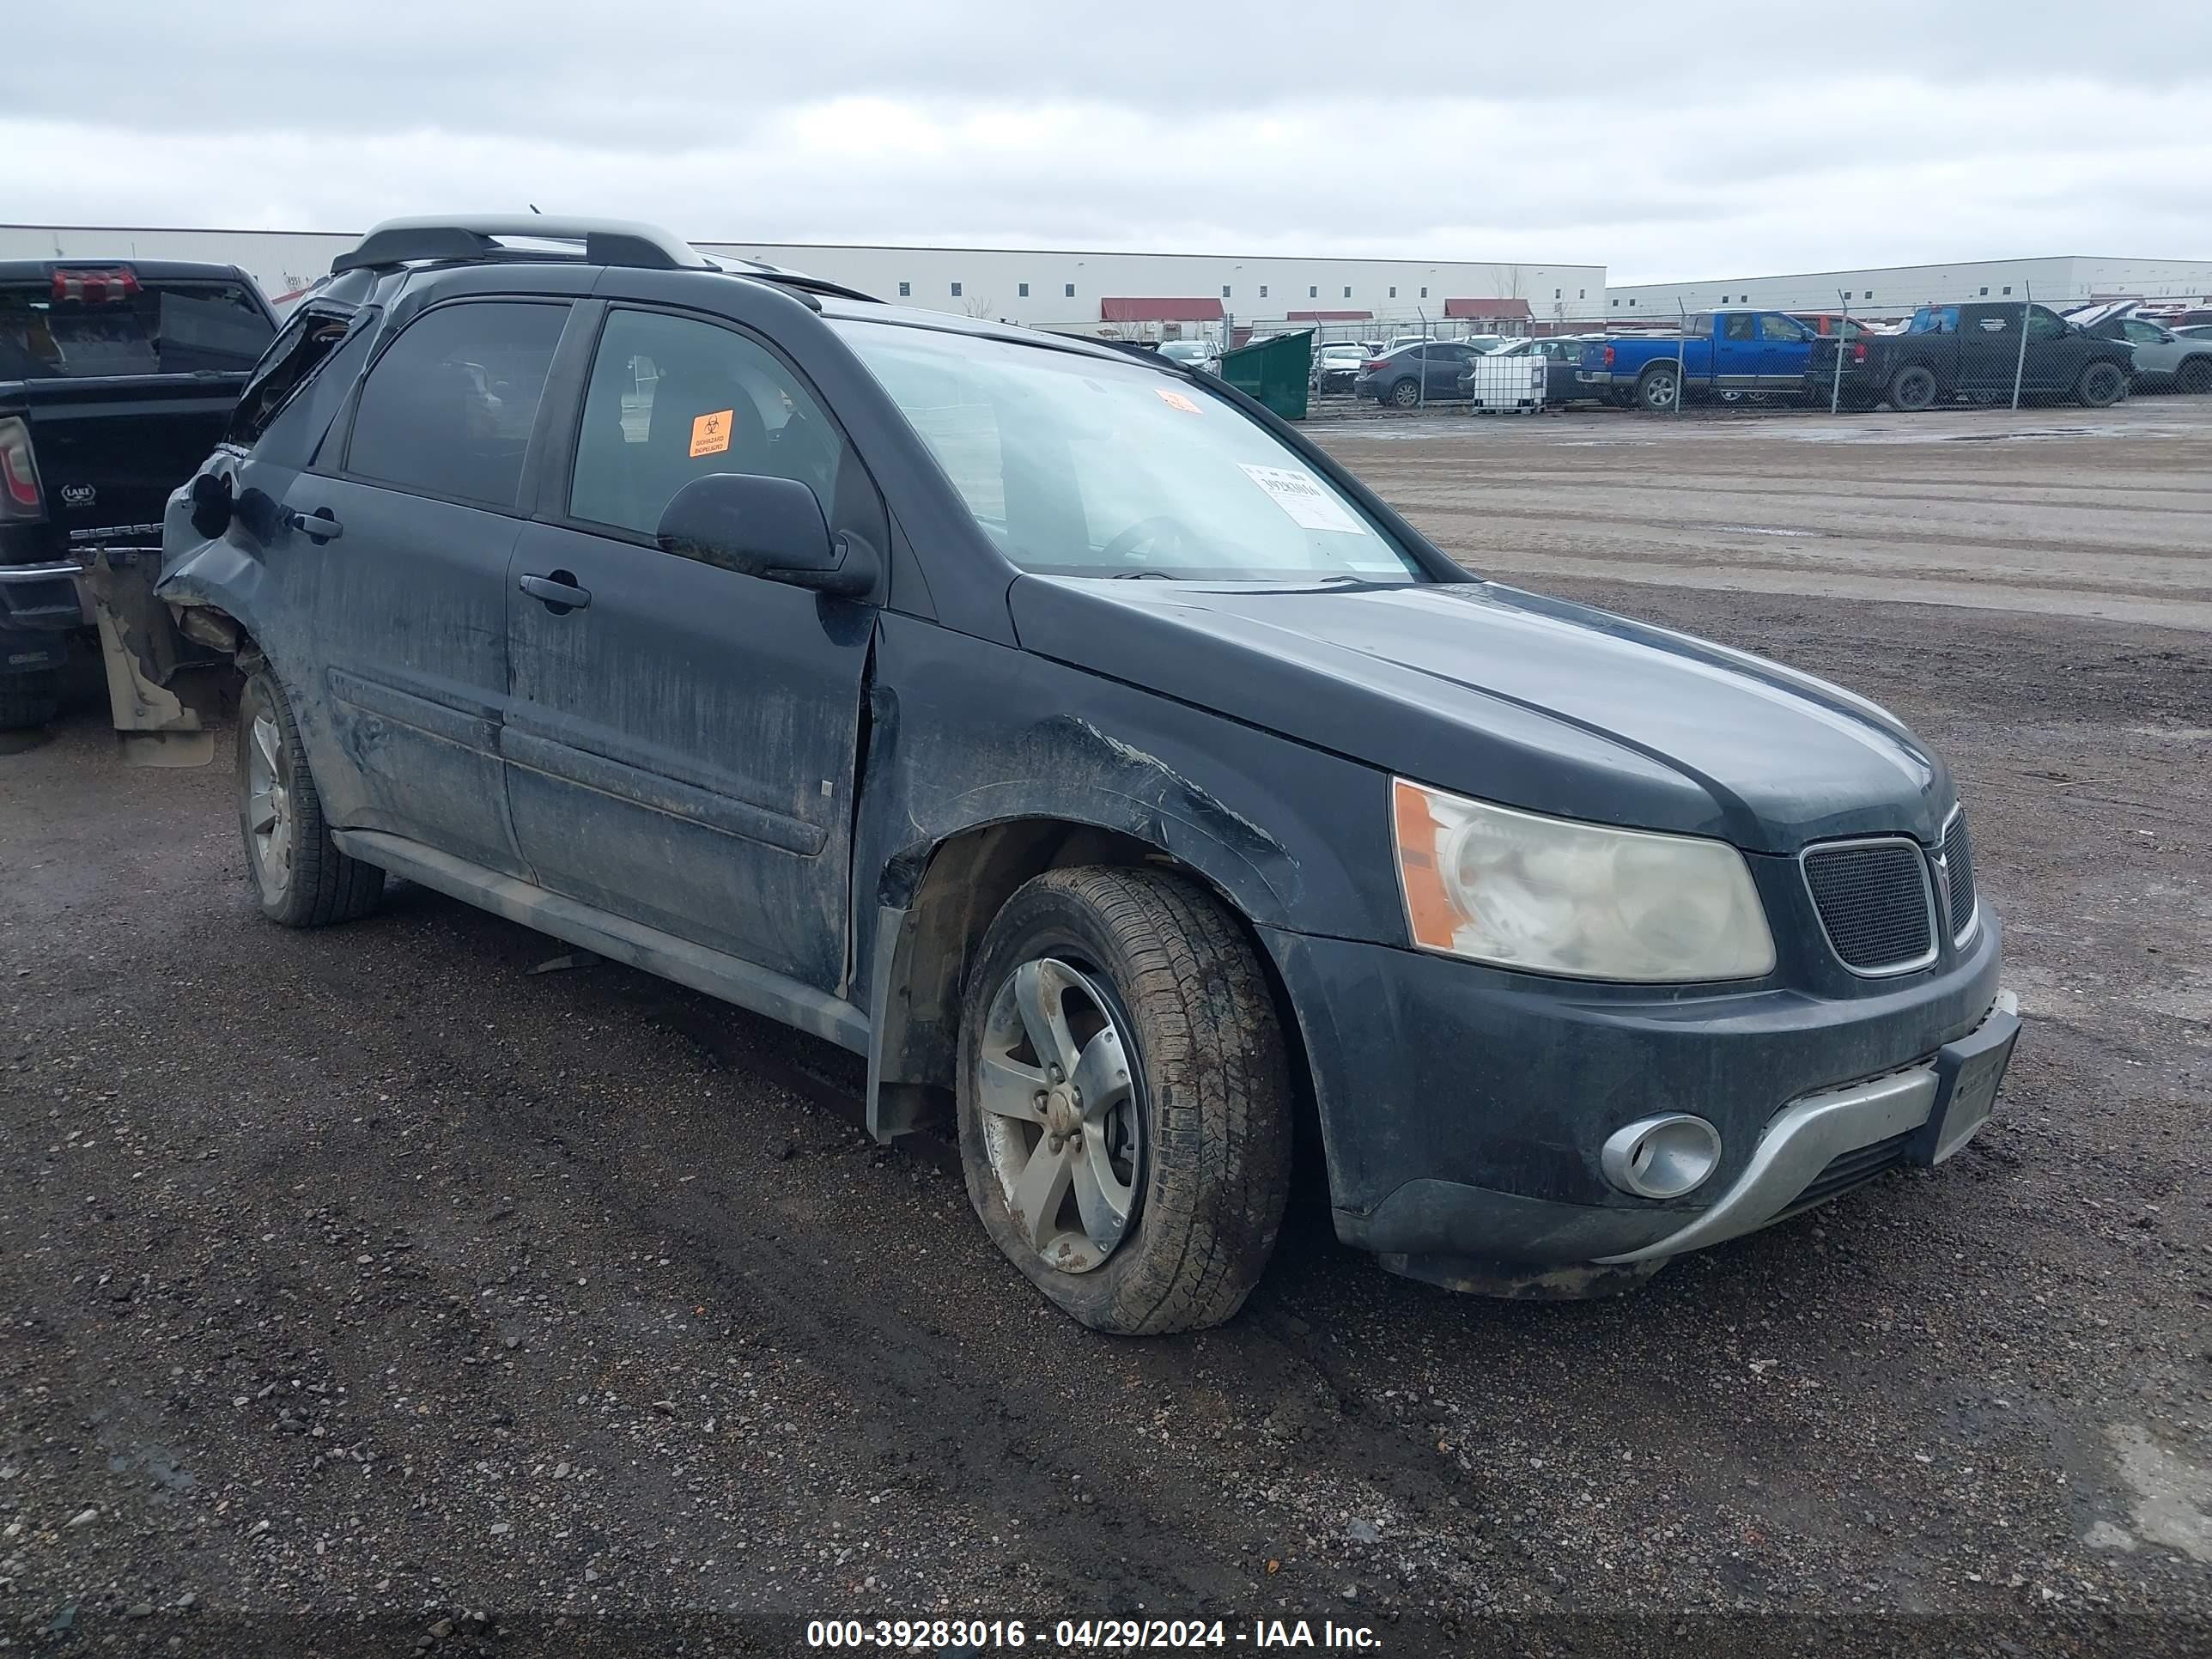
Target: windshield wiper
1134	575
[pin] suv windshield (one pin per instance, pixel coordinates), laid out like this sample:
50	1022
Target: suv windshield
1083	467
149	328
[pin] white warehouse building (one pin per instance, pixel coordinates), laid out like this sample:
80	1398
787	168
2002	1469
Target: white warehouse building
1893	291
1129	295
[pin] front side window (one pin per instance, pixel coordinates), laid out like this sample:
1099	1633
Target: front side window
1079	466
1771	327
448	409
672	400
2142	333
2045	325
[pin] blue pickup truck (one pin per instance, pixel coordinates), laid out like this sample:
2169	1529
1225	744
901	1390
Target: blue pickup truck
1728	354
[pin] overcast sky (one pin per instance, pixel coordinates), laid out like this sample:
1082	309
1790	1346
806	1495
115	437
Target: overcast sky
1664	140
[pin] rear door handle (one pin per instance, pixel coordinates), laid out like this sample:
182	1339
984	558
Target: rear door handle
557	592
319	527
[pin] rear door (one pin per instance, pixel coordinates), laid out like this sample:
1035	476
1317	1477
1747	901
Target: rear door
1737	352
403	667
682	741
1988	346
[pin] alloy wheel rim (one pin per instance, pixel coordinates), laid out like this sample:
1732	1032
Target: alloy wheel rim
269	805
1061	1112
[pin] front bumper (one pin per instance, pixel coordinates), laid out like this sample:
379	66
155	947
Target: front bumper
1463	1109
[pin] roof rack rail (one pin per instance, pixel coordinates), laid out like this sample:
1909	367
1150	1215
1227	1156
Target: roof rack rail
474	236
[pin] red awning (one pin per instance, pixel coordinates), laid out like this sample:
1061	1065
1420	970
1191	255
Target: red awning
1328	316
1159	310
1488	310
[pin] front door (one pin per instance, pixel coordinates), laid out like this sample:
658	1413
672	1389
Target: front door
402	590
681	739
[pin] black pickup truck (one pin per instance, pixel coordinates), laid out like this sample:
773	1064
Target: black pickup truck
1973	351
116	379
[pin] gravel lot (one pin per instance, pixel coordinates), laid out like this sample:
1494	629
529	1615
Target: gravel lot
358	1283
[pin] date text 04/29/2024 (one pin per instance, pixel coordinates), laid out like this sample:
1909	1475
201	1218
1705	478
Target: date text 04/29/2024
1088	1635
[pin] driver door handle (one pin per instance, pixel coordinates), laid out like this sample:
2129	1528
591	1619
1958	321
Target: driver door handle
557	592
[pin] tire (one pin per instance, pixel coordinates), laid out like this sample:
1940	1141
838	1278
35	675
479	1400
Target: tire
2195	376
1405	394
29	700
1659	389
300	876
1912	388
1146	970
2101	386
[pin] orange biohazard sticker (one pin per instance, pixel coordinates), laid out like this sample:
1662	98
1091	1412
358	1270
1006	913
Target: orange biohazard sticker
710	434
1176	400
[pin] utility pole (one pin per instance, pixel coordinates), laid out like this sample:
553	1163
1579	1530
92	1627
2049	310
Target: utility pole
2020	363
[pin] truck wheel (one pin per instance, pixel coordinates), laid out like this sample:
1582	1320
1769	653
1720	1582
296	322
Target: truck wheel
301	877
1124	1101
2101	385
2196	375
1406	393
1658	388
1912	388
29	700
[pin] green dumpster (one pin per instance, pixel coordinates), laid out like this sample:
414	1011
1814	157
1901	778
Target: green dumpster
1276	372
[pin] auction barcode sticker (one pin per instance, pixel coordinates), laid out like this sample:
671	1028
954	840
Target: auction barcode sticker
1301	495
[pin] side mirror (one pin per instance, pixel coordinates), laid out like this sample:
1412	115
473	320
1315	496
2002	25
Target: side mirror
772	528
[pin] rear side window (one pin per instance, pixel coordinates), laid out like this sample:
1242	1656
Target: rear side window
90	321
1739	325
307	341
448	409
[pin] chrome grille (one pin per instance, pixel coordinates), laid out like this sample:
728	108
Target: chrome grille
1959	874
1875	902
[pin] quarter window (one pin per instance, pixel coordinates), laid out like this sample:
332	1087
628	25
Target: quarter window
448	410
672	400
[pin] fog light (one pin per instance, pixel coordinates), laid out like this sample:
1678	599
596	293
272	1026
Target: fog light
1661	1157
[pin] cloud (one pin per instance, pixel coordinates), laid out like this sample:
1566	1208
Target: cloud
1700	140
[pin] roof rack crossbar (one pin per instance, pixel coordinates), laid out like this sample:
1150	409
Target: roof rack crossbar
445	236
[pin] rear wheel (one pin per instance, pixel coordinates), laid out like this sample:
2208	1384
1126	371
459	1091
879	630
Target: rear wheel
1406	393
1912	388
301	877
2196	375
2101	385
1659	388
29	700
1124	1101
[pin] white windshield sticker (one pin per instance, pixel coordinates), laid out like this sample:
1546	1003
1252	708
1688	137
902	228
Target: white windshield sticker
1301	495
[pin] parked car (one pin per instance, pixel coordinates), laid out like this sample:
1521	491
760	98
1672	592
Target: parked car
2194	331
2163	357
1193	353
1973	351
790	653
1335	367
115	379
1559	382
1397	377
1723	352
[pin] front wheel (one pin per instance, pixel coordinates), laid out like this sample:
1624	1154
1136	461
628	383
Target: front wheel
2101	385
300	876
1124	1101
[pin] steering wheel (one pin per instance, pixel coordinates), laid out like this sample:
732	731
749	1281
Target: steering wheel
1160	536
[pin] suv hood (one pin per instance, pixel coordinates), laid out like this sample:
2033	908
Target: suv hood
1511	697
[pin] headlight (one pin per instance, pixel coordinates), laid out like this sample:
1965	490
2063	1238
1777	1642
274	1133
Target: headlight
1554	897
